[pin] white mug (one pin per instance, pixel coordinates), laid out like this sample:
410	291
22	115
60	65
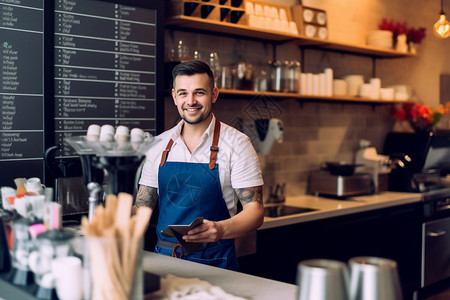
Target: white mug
68	274
35	186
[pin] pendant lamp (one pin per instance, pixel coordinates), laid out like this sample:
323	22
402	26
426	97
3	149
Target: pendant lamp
442	26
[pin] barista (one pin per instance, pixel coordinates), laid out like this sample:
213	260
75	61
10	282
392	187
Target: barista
201	168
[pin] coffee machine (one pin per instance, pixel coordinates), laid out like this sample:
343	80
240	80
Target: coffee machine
120	160
378	166
429	160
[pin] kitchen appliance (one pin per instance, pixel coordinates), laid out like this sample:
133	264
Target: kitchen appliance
379	166
322	182
263	133
427	174
121	161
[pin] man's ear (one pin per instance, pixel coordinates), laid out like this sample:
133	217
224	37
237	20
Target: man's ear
173	97
215	94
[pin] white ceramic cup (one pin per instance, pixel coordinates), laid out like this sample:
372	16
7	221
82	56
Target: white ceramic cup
366	90
137	135
122	134
35	186
93	132
107	133
353	83
68	274
387	94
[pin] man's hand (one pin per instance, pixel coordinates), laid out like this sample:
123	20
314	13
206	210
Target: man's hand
249	219
209	231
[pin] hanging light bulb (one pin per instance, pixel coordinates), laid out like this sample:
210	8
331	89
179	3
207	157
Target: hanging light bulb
442	26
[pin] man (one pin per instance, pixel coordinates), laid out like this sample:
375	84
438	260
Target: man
198	169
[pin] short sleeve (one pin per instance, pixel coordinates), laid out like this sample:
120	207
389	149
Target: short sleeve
245	165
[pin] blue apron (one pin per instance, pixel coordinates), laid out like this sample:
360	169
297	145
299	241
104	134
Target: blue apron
191	190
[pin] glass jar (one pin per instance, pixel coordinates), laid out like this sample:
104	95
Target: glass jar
22	247
293	78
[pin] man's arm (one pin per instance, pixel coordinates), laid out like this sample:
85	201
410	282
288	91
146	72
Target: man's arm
249	219
146	196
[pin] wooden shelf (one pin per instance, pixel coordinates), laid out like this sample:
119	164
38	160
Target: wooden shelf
281	37
247	93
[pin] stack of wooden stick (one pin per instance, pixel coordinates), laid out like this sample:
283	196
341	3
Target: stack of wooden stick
113	240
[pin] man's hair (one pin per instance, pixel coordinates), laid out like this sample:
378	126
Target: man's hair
192	67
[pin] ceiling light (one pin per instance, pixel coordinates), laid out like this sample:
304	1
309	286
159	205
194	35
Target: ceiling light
442	26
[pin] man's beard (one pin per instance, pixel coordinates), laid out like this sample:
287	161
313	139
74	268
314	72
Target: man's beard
198	119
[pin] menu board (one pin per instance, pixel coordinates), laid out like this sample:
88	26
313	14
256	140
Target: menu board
67	64
21	90
105	67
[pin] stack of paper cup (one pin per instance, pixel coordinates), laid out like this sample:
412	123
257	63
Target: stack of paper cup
376	86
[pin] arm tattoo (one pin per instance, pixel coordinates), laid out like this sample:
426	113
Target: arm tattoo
146	196
247	195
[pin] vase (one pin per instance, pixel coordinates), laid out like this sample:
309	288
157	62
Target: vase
422	128
413	47
401	43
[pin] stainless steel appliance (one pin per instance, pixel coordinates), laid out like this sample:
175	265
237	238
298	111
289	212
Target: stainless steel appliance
427	174
324	183
436	237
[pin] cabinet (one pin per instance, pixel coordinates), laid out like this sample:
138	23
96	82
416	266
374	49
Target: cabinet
276	38
389	233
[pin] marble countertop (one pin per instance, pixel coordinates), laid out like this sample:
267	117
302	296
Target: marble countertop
327	207
234	283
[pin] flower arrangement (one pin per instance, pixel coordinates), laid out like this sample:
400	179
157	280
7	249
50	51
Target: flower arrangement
420	116
415	35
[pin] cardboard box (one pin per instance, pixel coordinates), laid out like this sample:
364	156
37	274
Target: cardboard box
311	22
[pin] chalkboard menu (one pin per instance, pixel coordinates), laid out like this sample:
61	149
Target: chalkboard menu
66	64
21	90
106	75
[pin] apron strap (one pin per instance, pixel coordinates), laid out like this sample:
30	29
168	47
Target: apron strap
165	153
214	149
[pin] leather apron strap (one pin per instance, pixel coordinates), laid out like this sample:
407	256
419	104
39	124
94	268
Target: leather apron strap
214	147
165	153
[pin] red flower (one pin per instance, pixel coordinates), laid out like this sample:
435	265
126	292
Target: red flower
419	115
397	28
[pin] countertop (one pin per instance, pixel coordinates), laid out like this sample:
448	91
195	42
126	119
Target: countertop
234	283
329	207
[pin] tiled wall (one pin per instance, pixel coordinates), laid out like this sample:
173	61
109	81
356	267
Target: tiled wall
313	133
316	132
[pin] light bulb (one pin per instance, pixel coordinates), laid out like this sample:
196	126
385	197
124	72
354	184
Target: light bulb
442	27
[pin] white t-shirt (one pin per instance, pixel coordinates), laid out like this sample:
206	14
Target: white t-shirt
239	165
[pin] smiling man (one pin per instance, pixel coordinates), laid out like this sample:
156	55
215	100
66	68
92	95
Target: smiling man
202	168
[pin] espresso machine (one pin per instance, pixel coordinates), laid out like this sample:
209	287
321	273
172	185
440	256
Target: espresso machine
428	164
118	156
379	166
